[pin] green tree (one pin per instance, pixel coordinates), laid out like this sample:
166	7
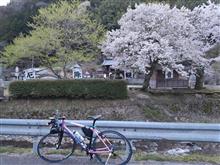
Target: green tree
108	12
189	3
62	33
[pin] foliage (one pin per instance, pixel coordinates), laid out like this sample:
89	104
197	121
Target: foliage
89	89
150	35
188	3
205	19
12	25
156	34
108	12
62	33
37	44
14	20
79	32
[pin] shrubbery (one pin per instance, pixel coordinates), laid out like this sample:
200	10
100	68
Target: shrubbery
79	89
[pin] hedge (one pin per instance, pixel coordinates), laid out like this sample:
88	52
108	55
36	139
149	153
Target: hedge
79	89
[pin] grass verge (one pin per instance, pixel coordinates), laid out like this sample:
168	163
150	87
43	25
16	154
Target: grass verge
214	159
20	150
14	150
184	158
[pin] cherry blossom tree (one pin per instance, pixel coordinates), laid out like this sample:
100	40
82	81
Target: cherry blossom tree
151	35
206	20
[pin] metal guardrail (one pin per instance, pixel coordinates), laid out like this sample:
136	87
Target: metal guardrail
132	130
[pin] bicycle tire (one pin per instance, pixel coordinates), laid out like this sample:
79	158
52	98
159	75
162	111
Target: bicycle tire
48	149
116	139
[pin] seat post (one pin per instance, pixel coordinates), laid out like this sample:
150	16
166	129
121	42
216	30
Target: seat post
95	118
93	124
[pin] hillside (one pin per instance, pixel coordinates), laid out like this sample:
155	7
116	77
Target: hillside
14	18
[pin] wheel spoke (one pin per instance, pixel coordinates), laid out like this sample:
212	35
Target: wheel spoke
120	146
50	149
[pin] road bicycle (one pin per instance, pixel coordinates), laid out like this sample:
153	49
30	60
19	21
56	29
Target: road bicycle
109	147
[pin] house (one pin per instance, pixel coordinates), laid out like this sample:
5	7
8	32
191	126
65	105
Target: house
86	74
168	79
73	71
110	70
108	66
77	71
99	73
160	79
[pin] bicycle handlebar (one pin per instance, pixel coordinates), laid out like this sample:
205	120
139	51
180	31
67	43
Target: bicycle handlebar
55	118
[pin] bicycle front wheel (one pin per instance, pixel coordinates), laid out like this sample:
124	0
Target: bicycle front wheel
55	147
120	147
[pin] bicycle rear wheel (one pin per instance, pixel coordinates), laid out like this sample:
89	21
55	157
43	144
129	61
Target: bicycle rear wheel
55	147
120	146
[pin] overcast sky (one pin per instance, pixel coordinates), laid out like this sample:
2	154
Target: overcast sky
4	2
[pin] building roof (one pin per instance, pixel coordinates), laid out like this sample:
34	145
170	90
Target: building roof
76	66
109	62
73	65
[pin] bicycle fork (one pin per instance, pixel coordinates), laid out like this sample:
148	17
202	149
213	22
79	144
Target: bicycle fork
60	140
110	154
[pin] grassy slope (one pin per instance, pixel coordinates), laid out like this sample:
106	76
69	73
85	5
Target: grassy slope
139	106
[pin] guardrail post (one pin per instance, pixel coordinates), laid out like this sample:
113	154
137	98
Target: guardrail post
35	143
132	145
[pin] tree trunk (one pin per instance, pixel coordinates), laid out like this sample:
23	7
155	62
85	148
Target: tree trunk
148	75
64	72
199	78
49	66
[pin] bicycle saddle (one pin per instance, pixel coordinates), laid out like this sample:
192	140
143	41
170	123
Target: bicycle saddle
95	117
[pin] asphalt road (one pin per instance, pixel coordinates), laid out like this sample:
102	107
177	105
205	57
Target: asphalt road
34	160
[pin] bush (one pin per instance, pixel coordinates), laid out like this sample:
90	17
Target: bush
80	89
